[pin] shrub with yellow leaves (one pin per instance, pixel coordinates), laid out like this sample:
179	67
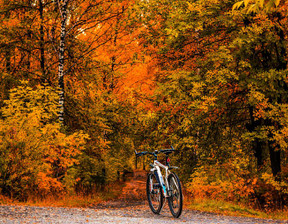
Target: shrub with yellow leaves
35	156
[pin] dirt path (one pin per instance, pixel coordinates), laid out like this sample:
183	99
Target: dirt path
113	212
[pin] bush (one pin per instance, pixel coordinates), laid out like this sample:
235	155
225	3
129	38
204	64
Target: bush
221	182
35	156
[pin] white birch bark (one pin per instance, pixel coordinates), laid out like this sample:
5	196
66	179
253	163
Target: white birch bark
63	10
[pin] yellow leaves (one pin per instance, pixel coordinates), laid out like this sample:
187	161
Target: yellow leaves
26	104
256	6
32	143
261	3
259	100
276	2
197	89
237	5
280	186
206	103
281	137
190	6
246	2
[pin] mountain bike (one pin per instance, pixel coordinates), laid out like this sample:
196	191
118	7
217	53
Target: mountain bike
158	188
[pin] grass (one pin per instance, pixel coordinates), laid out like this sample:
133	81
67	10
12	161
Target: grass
5	200
73	200
233	209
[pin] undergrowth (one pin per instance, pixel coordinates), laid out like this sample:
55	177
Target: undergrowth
111	192
234	209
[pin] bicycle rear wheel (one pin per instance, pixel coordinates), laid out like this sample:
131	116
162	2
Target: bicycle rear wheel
175	200
154	193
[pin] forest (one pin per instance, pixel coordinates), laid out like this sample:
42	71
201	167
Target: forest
84	83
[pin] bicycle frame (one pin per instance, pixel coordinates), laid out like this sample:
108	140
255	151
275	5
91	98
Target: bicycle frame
159	176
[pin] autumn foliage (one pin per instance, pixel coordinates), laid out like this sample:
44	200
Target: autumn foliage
208	77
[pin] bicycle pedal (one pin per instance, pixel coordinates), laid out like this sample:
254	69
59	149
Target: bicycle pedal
154	192
170	193
156	185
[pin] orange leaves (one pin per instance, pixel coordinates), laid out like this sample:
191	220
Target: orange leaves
46	184
260	110
10	23
62	148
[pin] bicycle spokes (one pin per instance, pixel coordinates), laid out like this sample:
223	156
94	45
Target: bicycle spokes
155	192
175	199
154	195
174	194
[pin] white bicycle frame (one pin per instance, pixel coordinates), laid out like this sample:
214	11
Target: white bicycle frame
163	184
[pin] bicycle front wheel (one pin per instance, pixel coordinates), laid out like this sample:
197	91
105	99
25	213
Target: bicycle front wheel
175	200
154	193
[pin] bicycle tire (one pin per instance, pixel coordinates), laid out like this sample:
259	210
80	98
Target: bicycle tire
154	194
175	199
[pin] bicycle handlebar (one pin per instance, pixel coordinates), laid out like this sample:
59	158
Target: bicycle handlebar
141	153
165	151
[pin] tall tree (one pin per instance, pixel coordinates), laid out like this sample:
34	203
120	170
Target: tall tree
63	11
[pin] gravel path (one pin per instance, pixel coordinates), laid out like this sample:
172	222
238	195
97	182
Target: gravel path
113	213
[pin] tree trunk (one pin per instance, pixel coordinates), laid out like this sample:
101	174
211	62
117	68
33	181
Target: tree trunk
28	62
275	159
258	152
257	143
8	59
63	8
42	50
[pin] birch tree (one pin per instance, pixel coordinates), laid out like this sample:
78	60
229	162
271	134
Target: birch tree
63	12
